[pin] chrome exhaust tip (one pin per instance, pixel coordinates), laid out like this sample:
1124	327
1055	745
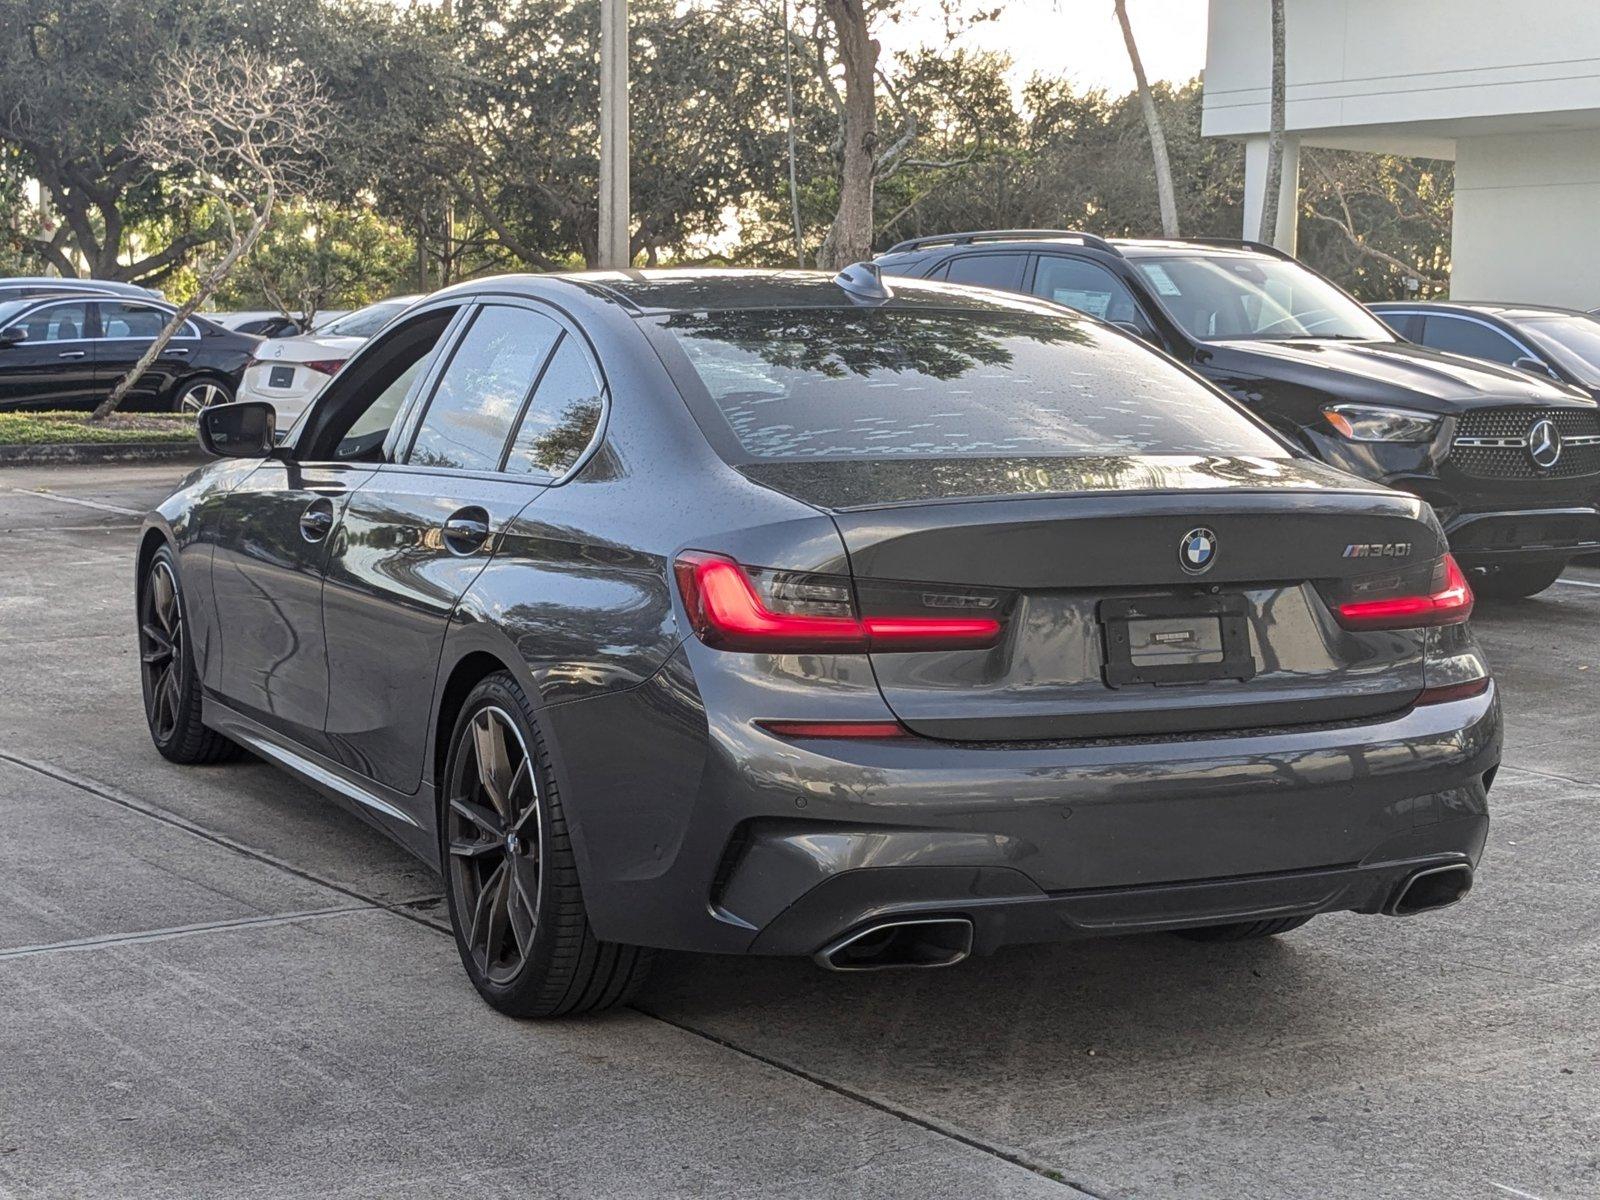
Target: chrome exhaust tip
912	944
1431	888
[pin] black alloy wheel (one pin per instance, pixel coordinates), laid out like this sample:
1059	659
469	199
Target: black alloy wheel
167	673
510	872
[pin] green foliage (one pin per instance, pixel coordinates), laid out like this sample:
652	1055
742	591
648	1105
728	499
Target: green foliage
464	140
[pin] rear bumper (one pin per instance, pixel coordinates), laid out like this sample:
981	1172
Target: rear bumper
717	837
1481	539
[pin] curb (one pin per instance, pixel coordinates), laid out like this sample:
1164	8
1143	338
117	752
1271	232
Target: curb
73	453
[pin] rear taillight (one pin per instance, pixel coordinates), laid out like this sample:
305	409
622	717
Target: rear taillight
733	607
328	366
1445	599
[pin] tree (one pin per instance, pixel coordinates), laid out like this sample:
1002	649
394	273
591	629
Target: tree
1276	120
850	236
1152	120
238	132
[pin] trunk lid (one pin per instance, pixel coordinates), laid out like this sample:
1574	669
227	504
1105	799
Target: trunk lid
1110	632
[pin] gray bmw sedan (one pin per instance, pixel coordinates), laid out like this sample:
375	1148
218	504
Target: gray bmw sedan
779	613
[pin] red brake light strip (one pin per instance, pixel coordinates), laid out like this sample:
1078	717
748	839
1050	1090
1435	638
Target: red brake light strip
1450	605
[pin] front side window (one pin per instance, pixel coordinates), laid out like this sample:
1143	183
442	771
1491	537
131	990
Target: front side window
894	383
1457	335
482	390
55	323
562	415
1254	298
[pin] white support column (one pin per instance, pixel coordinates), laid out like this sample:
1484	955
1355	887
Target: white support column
1255	190
614	208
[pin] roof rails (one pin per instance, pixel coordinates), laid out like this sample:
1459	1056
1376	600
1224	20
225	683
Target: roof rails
1002	235
1236	244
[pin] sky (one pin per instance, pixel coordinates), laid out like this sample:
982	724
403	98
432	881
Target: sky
1080	39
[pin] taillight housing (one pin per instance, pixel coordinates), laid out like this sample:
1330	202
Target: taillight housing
1410	598
734	607
328	366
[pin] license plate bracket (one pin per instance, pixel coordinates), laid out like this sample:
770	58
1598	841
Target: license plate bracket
1175	639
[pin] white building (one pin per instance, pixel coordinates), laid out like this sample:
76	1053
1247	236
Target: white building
1509	89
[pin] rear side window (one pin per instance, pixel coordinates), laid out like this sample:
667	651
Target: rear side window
562	415
1455	335
1002	271
899	383
119	320
482	390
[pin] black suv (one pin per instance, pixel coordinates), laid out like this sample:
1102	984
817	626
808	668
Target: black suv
1510	461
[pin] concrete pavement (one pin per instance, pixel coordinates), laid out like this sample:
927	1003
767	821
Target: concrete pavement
213	983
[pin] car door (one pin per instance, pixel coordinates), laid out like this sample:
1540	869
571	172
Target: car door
52	366
278	526
127	327
418	532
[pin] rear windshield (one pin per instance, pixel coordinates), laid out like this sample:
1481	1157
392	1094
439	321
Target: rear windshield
902	383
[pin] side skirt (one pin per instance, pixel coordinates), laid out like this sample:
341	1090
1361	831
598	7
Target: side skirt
390	813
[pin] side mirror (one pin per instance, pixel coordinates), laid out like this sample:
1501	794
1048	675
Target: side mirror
244	429
10	337
1534	366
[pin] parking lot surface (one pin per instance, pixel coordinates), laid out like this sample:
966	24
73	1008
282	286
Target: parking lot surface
214	983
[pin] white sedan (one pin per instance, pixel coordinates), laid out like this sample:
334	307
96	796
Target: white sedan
289	372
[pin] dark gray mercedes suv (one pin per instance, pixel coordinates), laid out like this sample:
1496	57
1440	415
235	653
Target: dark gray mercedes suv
774	613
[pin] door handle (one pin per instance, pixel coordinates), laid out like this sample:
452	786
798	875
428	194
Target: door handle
71	354
466	531
317	520
177	350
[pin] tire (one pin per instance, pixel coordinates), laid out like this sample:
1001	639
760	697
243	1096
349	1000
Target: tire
1517	582
511	879
195	394
167	676
1243	931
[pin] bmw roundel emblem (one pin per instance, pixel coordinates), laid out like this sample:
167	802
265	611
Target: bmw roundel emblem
1197	551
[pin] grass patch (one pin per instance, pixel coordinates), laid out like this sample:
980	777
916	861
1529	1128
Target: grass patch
69	428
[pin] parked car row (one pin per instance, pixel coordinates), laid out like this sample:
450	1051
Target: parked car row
1509	458
879	620
64	343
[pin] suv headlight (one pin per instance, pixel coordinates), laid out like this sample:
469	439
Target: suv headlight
1370	423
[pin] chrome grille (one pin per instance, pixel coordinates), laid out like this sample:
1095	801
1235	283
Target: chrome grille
1492	443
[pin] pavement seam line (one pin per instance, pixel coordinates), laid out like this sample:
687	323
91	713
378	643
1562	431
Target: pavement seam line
101	505
1016	1158
1534	771
181	931
399	907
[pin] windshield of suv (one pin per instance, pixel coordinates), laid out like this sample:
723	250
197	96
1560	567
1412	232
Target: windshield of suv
1574	342
1216	297
850	383
364	322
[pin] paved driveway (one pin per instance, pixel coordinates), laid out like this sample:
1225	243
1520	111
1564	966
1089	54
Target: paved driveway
212	983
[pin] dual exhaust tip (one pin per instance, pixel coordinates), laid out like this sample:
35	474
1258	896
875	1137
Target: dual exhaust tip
917	942
1431	888
922	942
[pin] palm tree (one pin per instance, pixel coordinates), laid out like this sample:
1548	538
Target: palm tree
1152	122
